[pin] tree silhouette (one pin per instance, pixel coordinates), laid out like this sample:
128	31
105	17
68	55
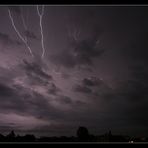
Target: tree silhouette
11	136
83	134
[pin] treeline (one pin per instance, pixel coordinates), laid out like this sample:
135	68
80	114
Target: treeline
82	135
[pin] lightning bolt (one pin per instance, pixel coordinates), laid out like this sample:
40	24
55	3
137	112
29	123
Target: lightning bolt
24	24
41	29
18	33
23	20
75	34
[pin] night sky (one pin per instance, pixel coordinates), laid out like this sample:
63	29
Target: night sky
88	69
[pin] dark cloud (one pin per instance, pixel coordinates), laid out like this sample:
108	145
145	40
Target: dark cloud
136	50
81	52
11	101
23	101
41	107
53	89
134	91
135	114
87	85
135	88
6	91
64	58
85	51
82	89
92	81
38	105
34	69
70	102
37	76
96	88
30	34
64	99
7	41
31	90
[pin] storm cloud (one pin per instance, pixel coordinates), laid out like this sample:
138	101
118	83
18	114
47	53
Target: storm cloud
36	70
93	74
81	52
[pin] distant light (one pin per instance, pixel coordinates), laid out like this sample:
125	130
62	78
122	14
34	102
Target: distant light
131	141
